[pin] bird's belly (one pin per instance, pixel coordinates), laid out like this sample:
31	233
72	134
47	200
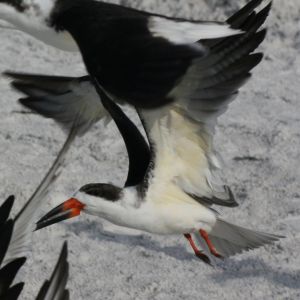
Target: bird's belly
172	219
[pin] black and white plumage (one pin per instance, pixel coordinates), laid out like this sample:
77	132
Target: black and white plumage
136	56
53	289
61	98
181	184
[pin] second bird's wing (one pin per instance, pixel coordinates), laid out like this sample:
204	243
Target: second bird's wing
24	222
60	98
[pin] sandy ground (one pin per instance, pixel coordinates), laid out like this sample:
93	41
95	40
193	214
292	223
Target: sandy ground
258	137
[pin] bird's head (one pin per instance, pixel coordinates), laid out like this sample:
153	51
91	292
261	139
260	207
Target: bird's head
93	199
34	18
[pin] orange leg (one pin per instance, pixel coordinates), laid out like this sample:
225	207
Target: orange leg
198	253
211	247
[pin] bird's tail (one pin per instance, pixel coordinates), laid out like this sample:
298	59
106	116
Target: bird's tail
60	98
229	239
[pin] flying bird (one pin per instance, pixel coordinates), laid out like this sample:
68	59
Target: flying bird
51	289
176	193
60	98
136	56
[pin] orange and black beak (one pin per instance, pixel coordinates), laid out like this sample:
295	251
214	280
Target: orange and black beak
69	209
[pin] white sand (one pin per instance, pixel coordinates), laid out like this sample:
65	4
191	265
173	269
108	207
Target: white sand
260	142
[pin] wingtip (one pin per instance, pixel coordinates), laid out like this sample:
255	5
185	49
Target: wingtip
20	86
7	74
248	11
266	10
64	250
243	13
5	209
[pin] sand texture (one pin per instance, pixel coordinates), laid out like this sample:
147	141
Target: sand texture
258	137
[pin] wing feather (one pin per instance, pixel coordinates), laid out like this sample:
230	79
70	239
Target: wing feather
9	271
24	221
136	57
201	97
60	98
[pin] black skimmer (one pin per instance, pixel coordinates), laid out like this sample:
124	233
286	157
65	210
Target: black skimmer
55	288
61	98
182	183
142	56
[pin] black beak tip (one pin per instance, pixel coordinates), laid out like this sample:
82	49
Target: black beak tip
55	216
39	225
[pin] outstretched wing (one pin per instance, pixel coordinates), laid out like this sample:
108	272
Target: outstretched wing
60	98
24	222
55	288
186	127
8	271
136	57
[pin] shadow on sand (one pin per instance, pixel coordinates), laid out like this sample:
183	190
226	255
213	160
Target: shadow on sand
256	267
229	269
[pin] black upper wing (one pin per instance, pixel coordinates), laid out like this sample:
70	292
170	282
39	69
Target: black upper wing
121	52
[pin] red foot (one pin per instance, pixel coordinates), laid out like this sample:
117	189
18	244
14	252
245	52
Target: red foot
198	253
211	247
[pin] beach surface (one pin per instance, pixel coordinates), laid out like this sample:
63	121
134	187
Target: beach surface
258	138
